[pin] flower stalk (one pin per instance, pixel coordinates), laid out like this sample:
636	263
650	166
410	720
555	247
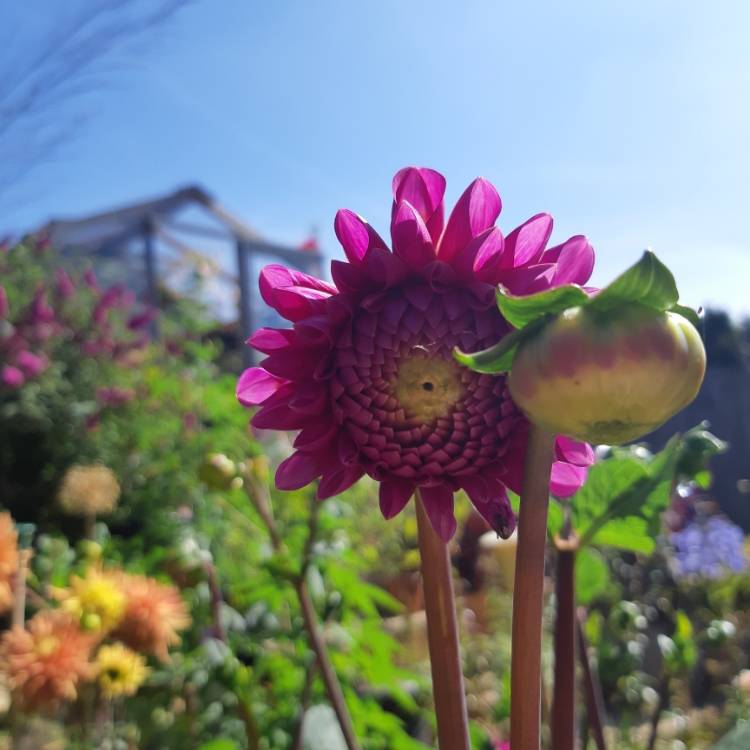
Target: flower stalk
564	690
258	496
594	698
18	617
526	673
442	636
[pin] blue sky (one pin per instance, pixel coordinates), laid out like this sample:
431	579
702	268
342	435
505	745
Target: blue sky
629	122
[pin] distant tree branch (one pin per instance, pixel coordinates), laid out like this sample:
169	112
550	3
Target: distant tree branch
39	95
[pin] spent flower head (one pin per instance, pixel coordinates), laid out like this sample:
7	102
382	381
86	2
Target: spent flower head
88	491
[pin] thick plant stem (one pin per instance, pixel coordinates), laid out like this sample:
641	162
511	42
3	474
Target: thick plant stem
258	495
526	654
594	698
442	636
564	690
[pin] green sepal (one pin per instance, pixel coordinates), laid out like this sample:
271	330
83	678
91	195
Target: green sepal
648	283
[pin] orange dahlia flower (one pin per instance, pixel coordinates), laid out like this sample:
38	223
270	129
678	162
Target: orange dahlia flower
45	662
8	560
154	614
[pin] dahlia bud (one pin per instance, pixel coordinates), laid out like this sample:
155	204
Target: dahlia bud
608	378
218	471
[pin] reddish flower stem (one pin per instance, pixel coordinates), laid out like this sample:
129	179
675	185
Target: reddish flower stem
442	636
594	699
526	656
564	691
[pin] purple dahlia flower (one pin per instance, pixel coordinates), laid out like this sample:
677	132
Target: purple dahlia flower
366	372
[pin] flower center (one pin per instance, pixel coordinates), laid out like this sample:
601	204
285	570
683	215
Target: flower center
427	387
409	410
47	645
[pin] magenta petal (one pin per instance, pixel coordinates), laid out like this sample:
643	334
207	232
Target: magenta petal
298	470
490	498
314	332
481	258
394	495
292	363
566	479
318	434
575	261
268	340
296	302
336	481
356	236
528	279
385	268
348	277
256	385
411	240
438	502
440	276
310	398
477	210
525	244
573	451
424	189
274	277
279	417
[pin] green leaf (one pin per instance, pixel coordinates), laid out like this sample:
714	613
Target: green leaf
222	743
737	739
555	519
687	312
592	575
631	534
704	479
606	481
496	359
519	311
648	282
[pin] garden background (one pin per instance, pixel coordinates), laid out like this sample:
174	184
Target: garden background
128	471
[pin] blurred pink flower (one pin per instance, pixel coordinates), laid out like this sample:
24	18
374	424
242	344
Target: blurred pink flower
31	364
114	396
65	287
89	278
12	376
4	307
41	312
142	320
366	371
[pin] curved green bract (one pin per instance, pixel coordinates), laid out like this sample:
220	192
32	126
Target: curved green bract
647	284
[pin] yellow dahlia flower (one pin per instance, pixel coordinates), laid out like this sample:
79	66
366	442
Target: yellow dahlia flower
120	671
97	599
